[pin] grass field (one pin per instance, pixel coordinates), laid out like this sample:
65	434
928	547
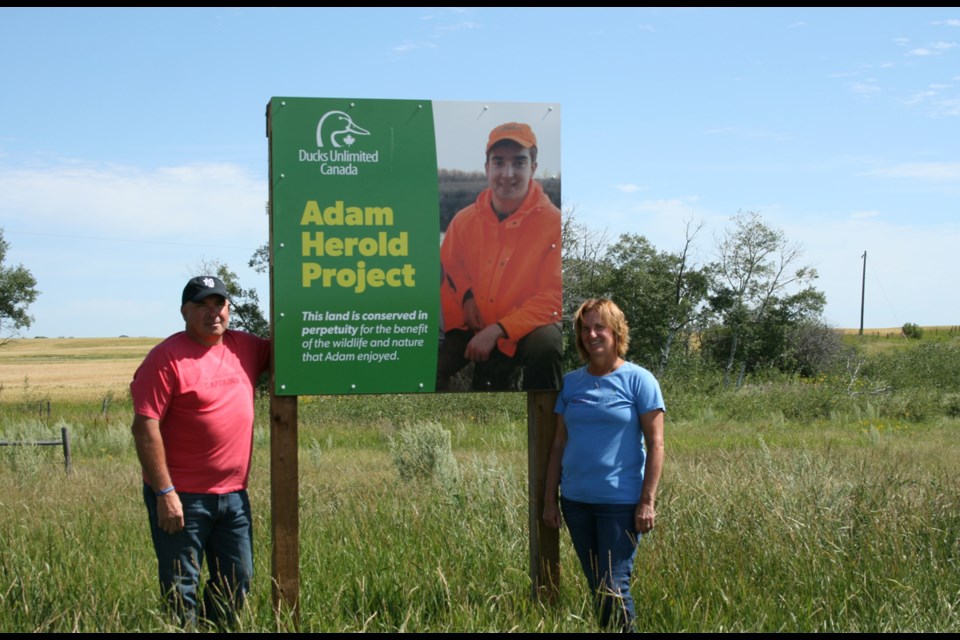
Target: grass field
771	519
897	332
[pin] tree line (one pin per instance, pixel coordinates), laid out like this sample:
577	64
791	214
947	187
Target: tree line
754	306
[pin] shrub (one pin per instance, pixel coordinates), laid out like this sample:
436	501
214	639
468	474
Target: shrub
423	452
912	331
934	365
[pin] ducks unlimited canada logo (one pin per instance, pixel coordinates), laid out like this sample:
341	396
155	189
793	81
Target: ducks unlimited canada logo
336	133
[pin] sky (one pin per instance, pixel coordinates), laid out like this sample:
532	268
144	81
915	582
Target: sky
133	145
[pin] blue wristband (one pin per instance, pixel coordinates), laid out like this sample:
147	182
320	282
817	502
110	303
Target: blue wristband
164	492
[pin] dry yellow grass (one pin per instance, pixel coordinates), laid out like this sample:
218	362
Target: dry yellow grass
892	331
77	369
70	369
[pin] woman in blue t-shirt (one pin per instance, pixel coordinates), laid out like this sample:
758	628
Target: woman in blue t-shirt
606	458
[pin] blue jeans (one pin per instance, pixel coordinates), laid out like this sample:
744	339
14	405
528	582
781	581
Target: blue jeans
218	528
605	540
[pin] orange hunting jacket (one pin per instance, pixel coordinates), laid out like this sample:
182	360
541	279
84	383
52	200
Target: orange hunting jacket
511	267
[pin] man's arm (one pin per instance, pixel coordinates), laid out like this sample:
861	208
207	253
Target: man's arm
471	313
153	459
542	278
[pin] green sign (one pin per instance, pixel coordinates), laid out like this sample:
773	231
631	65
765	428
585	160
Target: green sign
356	230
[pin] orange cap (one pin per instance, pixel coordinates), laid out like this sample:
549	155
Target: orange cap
519	132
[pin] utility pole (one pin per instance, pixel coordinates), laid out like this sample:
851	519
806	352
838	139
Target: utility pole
863	289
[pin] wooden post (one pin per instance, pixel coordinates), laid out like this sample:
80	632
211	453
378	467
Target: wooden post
65	439
284	506
284	471
544	541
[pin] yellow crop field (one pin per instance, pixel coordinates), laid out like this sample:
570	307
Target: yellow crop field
70	368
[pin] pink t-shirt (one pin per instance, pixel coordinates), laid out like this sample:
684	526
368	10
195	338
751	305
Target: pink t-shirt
203	398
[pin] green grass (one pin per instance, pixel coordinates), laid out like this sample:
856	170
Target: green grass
764	525
883	340
797	505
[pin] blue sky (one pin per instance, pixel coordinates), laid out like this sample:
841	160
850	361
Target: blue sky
133	146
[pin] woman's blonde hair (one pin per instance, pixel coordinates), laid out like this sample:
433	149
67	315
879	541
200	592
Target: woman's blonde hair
611	316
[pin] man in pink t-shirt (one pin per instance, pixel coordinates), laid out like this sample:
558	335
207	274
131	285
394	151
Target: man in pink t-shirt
193	430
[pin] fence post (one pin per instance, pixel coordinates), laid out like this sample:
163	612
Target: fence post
66	448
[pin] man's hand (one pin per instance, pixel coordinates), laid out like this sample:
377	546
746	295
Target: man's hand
480	345
169	512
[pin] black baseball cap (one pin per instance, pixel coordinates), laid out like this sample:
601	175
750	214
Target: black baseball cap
202	286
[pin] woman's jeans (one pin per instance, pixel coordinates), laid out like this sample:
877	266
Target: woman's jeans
605	540
218	528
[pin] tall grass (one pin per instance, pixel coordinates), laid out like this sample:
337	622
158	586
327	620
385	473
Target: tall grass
804	505
765	524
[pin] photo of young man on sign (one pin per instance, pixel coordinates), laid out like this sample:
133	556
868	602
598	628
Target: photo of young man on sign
501	284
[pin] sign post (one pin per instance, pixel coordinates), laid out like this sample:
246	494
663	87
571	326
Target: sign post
544	541
358	208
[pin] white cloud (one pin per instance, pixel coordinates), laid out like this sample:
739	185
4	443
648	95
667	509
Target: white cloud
208	201
867	87
413	46
920	96
460	26
628	188
949	107
923	170
933	49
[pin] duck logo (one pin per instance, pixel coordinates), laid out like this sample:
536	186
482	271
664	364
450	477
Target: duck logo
337	129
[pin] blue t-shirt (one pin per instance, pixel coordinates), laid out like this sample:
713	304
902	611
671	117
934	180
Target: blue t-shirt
604	457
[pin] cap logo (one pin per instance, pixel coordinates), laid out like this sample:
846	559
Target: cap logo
208	282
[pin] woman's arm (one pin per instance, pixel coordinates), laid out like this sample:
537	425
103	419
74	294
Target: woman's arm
551	506
651	423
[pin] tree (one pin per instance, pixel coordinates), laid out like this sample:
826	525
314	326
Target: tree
18	290
660	293
690	287
814	347
260	260
756	269
584	275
